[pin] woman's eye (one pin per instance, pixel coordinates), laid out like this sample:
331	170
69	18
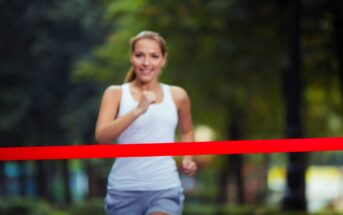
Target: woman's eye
155	56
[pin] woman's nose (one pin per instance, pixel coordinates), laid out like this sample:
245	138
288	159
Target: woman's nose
146	61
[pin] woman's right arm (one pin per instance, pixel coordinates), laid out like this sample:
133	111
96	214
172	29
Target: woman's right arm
109	126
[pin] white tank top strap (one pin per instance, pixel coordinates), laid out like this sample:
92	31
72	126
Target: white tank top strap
126	93
124	87
167	95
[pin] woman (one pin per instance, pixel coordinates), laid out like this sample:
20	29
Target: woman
143	110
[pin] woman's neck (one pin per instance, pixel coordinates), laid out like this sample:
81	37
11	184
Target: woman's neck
145	86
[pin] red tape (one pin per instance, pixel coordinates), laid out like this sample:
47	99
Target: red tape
170	149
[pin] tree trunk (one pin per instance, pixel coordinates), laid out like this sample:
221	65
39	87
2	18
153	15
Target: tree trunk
236	164
22	178
2	180
336	10
66	178
223	181
294	198
92	182
43	180
263	191
236	179
40	179
231	178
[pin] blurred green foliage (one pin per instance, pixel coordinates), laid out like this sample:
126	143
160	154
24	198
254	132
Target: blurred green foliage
94	206
27	206
89	207
56	58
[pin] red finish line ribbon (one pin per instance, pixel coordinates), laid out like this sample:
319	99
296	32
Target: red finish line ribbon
170	149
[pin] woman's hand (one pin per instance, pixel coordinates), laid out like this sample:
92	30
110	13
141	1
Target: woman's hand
147	98
189	167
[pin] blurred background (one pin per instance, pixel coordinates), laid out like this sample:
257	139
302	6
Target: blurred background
253	69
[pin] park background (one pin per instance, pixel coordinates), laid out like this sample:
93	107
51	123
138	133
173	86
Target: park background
253	69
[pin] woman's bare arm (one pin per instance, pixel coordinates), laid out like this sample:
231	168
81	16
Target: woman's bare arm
185	125
109	126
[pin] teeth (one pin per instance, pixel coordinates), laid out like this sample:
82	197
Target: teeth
146	71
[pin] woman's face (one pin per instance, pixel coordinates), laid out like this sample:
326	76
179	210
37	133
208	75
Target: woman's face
147	60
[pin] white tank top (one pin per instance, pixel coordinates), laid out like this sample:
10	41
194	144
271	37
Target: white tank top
156	125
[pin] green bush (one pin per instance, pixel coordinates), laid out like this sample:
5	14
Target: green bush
328	212
32	206
212	209
238	210
203	209
27	206
93	206
199	209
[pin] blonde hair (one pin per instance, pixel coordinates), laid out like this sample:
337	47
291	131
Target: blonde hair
130	76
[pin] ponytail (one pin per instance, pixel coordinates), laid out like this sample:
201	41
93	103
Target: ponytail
130	76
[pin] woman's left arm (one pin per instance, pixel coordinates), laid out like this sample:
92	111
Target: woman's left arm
185	126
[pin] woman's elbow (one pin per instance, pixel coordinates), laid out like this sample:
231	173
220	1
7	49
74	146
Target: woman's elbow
100	137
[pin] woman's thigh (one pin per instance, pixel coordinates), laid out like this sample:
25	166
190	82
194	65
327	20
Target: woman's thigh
166	202
123	203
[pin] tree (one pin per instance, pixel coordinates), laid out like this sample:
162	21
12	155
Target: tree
234	60
295	198
40	41
216	51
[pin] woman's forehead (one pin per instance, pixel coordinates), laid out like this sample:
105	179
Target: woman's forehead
147	45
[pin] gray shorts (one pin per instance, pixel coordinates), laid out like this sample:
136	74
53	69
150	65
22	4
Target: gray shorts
144	202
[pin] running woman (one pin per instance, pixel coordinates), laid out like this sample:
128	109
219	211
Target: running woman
144	110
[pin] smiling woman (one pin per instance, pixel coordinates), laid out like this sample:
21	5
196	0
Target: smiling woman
147	60
143	110
147	48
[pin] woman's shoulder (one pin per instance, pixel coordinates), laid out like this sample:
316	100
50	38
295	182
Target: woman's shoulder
113	91
179	94
177	90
